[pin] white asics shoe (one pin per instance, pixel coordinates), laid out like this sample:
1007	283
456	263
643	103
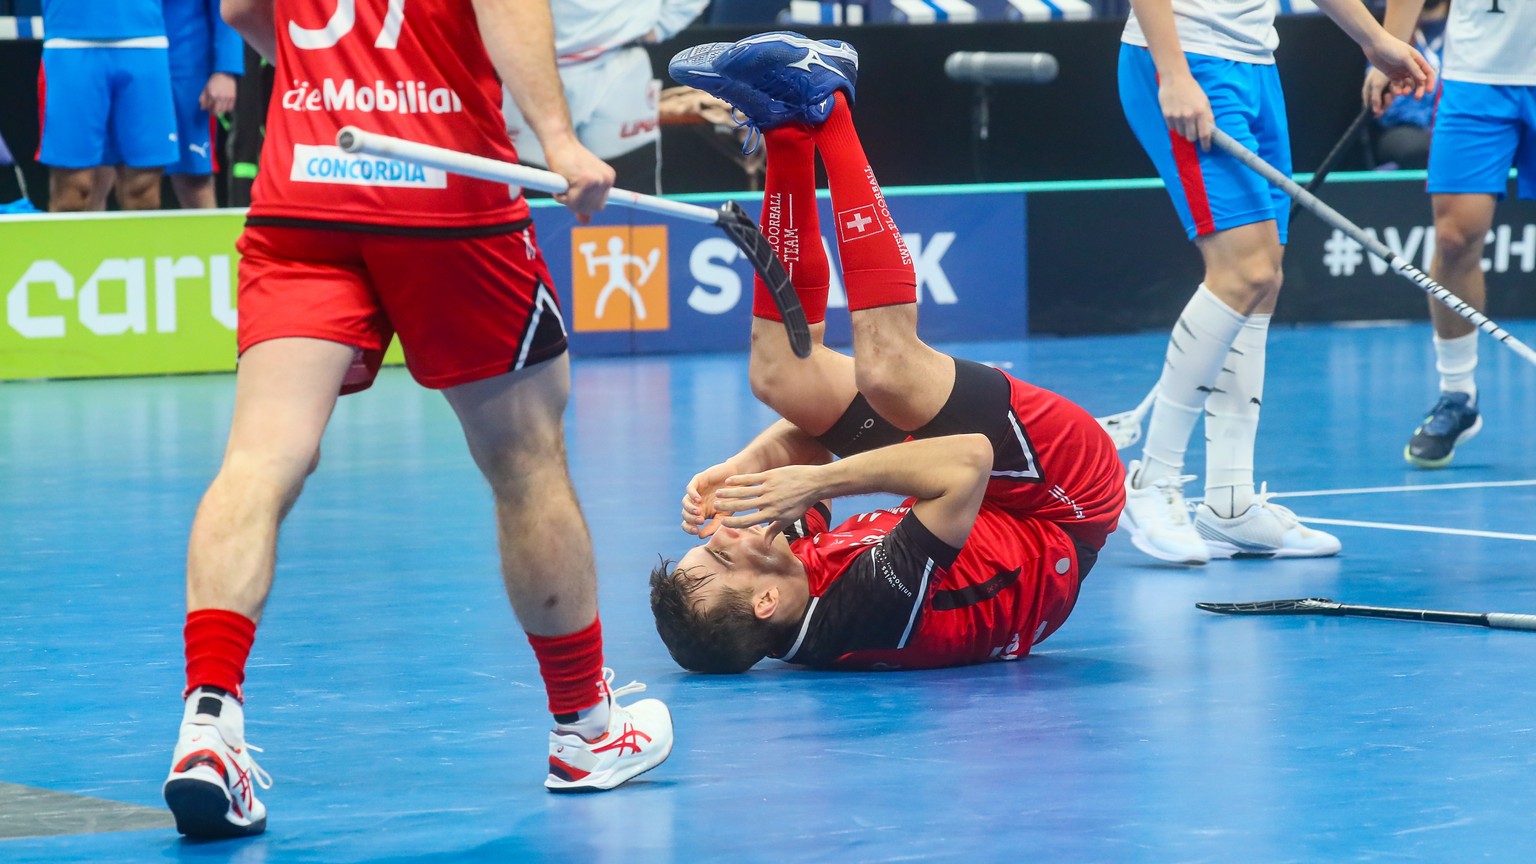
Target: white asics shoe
639	738
1264	530
211	789
1158	519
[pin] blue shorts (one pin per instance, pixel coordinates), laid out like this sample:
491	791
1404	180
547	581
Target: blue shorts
1211	190
194	128
1480	131
107	106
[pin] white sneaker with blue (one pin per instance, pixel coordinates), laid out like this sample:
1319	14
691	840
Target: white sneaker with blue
772	78
1264	530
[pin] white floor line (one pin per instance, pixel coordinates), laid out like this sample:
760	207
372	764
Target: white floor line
1422	529
1373	490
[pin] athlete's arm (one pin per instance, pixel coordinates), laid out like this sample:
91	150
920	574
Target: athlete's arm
256	20
519	36
1185	107
781	444
947	476
1401	20
1404	67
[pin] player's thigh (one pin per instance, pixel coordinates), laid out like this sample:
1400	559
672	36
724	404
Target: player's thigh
285	390
1210	190
74	88
513	423
1272	137
142	126
1476	135
311	283
467	308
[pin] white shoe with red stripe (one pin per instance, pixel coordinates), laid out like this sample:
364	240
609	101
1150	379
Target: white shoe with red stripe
639	738
211	789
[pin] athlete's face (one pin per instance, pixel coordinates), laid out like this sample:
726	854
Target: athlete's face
739	558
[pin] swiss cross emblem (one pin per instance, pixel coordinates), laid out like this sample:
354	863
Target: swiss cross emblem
858	222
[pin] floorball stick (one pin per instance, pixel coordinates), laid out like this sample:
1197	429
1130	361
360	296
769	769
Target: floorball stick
738	226
1376	247
1125	428
1332	158
1325	606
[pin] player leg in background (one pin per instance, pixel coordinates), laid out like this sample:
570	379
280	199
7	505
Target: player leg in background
285	390
1214	362
1461	227
513	424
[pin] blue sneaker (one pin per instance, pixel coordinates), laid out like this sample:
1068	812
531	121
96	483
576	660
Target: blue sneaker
772	78
1454	419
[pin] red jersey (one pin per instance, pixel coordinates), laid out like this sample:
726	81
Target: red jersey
887	594
417	71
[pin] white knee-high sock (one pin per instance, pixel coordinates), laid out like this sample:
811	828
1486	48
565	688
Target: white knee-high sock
1456	361
1232	421
1196	349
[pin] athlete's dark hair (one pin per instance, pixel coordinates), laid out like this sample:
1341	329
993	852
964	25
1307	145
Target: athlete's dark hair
725	639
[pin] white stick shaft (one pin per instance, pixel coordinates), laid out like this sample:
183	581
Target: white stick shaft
354	140
1376	247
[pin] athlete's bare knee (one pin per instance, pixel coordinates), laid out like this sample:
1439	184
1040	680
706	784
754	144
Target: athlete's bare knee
1456	245
264	481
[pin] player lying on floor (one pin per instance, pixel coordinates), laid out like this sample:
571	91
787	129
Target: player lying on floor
1011	489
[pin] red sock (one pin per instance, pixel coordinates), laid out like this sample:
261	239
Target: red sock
572	667
218	643
791	224
877	269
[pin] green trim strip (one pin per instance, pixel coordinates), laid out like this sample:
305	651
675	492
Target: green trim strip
244	170
1336	178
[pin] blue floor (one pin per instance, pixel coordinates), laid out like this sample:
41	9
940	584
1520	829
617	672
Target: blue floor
403	721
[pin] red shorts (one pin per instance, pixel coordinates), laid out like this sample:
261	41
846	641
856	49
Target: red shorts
465	308
1068	471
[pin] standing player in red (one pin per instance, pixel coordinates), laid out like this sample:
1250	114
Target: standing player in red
342	252
1012	490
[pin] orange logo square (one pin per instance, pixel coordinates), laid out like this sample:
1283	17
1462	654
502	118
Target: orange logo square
619	277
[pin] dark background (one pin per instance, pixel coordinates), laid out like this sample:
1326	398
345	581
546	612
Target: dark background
917	124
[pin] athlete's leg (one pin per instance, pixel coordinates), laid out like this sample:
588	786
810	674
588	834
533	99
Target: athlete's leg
194	191
515	430
284	393
811	393
69	190
1243	271
1461	228
138	188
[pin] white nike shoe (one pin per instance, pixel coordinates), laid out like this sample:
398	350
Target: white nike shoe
639	738
1264	530
1158	519
211	788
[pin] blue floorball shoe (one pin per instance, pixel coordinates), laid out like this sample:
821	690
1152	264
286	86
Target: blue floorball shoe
772	78
1453	420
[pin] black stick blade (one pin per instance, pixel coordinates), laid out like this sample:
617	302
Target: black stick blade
750	240
1302	606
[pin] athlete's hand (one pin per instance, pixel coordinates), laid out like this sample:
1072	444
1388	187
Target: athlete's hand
1404	67
218	96
778	497
1376	93
1186	109
589	177
699	516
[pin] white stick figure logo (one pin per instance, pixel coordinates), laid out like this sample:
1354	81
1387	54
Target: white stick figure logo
618	260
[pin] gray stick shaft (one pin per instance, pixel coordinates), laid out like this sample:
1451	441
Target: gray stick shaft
1376	247
1511	621
354	140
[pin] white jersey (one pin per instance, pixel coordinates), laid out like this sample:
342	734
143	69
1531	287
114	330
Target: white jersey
1241	30
587	29
1491	42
